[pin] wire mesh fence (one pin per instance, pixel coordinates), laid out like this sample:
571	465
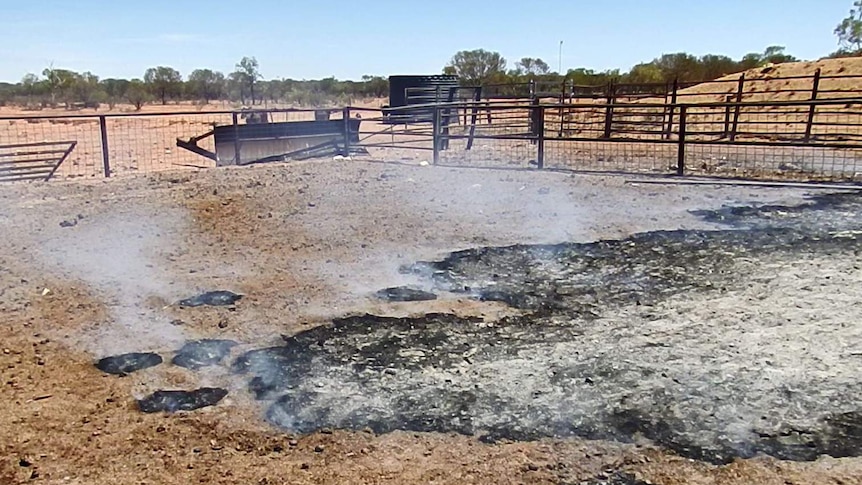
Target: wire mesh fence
23	142
764	84
602	156
801	163
801	140
149	143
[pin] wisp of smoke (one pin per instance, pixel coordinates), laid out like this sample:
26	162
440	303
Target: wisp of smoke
113	255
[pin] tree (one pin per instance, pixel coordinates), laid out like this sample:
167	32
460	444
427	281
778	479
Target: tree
476	67
235	86
206	84
164	82
645	73
86	89
680	65
529	66
584	77
849	31
374	86
713	66
137	93
775	54
59	81
248	72
750	61
29	84
115	89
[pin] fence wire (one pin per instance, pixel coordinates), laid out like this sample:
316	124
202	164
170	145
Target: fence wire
803	140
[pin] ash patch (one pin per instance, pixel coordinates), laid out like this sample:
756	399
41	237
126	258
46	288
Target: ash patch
587	359
128	363
211	298
174	401
616	478
517	379
582	279
202	353
836	435
824	213
404	293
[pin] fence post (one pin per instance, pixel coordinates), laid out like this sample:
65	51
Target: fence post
540	150
609	111
815	87
346	114
738	107
673	98
562	101
236	157
477	97
435	137
106	157
534	121
680	154
728	100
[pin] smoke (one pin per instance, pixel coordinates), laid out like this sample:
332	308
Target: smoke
115	256
425	210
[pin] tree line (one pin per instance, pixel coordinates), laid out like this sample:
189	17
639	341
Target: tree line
164	84
245	85
481	68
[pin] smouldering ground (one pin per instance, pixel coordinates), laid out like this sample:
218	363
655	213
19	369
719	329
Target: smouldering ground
310	242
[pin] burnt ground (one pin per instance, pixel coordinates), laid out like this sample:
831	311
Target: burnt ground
562	377
584	331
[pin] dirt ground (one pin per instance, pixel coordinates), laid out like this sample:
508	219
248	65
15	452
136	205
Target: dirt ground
308	242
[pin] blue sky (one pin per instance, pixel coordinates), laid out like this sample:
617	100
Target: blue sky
312	39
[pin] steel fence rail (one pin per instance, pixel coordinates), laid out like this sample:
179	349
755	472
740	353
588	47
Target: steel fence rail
811	139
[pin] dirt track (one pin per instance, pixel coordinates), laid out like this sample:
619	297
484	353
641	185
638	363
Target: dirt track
311	242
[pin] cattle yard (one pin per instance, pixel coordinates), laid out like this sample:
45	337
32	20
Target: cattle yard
454	292
768	125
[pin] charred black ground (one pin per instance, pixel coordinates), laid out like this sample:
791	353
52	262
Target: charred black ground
173	401
404	293
128	363
597	351
558	369
211	298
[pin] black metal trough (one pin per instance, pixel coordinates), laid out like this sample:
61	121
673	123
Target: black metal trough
244	144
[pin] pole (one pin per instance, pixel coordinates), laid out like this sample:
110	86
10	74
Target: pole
346	115
738	108
106	158
236	159
540	149
435	137
673	99
728	100
609	112
680	160
813	109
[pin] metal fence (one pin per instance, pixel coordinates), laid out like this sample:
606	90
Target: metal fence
766	87
798	140
114	144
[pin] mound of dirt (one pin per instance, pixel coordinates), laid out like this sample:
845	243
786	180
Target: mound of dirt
771	83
